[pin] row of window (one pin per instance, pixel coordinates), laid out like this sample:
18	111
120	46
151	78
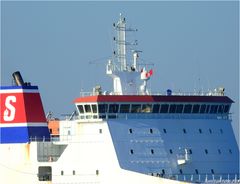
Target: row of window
184	131
154	108
189	151
74	172
180	172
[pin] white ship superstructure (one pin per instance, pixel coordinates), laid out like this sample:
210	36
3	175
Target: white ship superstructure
128	135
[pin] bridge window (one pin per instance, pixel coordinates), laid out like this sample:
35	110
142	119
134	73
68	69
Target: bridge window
156	108
187	108
94	108
213	109
220	109
113	108
124	108
207	108
164	108
136	108
87	108
226	108
179	108
147	108
172	108
102	108
196	108
202	108
80	108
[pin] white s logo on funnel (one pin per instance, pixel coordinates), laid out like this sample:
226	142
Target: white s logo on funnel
9	113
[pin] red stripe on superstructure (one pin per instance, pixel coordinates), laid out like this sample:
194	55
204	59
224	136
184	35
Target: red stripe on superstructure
149	98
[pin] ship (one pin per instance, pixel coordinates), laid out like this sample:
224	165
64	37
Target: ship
128	135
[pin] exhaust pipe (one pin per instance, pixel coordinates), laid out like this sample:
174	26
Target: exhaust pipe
18	79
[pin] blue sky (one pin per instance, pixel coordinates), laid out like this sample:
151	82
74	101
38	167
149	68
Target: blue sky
193	45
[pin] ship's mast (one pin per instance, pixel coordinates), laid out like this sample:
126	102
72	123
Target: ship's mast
123	73
121	43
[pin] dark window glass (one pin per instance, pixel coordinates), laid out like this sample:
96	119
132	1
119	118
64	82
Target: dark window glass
147	108
171	152
220	109
74	172
221	131
180	170
210	131
196	108
213	109
190	151
62	173
219	151
206	151
124	108
230	151
87	108
200	130
131	151
172	108
163	171
113	108
203	108
212	171
207	108
152	151
151	131
156	108
196	171
179	108
187	108
136	108
184	131
226	108
102	108
100	131
80	108
164	108
130	131
94	108
164	130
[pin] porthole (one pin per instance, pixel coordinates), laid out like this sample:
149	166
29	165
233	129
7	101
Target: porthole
130	131
196	171
184	131
212	171
151	131
152	151
131	151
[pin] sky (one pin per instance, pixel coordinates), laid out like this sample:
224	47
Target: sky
63	47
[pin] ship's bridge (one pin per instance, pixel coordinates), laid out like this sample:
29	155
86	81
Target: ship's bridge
152	106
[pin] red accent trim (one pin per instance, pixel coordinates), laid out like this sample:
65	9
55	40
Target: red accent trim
148	98
28	108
